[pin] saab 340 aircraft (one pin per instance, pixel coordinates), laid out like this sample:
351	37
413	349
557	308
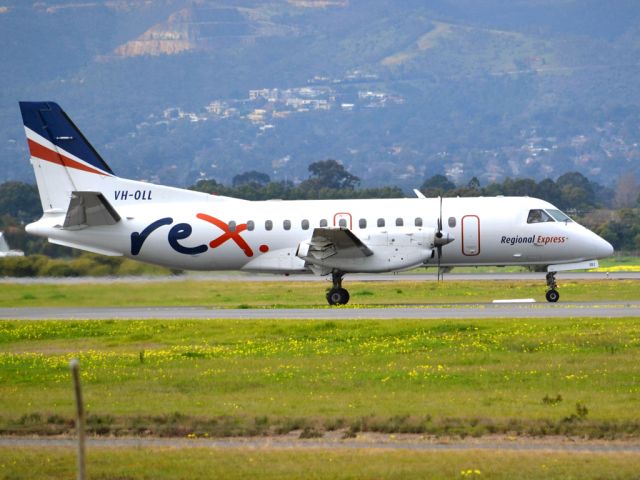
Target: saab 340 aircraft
86	206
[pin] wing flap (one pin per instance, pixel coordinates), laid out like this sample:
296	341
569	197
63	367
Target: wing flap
333	242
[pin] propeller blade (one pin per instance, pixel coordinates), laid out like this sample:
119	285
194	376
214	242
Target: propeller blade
439	244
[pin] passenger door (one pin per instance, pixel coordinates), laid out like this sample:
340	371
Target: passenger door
471	235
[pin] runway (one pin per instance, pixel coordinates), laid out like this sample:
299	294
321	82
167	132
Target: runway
422	312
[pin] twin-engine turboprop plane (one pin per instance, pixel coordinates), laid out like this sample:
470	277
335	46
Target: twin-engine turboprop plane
86	206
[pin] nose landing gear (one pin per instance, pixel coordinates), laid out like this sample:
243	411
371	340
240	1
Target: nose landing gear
552	294
337	295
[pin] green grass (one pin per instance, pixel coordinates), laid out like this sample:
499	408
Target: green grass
235	294
224	377
620	261
191	463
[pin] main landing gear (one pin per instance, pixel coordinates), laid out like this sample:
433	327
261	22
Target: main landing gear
337	295
552	294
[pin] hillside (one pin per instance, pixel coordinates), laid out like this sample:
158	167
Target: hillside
177	90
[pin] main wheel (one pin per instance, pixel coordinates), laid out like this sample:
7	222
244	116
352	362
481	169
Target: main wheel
552	296
338	296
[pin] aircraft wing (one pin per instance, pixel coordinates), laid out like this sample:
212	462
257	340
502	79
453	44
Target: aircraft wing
333	242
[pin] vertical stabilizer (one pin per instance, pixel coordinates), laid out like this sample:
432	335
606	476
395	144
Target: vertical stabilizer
5	251
4	246
63	160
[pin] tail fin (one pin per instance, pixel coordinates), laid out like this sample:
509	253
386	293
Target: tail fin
62	158
5	251
4	246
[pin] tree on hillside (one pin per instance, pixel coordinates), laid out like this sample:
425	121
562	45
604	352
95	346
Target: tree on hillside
627	191
437	186
209	186
548	190
20	201
330	174
251	178
623	232
577	192
474	184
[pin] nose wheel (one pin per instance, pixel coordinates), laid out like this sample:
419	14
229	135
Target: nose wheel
552	294
337	295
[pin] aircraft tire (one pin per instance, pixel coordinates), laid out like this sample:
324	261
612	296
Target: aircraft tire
338	296
552	296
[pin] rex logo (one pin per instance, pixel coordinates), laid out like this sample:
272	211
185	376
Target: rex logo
181	231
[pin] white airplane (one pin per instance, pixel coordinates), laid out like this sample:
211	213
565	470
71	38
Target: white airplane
5	251
86	206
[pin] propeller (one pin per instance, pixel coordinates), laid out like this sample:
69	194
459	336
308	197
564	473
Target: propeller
440	240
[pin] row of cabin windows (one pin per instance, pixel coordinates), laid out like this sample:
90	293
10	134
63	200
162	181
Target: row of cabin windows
362	223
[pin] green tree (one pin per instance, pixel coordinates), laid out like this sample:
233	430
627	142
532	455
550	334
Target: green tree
437	186
20	201
548	190
251	178
577	192
474	184
330	174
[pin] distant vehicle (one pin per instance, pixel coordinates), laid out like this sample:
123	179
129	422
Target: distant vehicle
86	206
5	251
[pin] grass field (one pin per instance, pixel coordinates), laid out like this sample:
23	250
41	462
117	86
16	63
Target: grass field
239	294
188	464
223	377
218	378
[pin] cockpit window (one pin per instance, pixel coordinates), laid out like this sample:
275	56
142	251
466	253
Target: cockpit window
559	216
538	216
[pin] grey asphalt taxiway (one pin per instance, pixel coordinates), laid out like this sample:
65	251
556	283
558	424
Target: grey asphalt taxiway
425	312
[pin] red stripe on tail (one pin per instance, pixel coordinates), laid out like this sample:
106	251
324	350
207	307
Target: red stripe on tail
44	153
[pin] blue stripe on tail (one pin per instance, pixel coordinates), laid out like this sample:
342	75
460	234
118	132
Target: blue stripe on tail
51	122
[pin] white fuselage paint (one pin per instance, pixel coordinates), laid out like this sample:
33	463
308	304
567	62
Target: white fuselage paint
486	231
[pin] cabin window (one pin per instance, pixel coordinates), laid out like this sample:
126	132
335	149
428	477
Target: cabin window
538	216
323	222
268	225
418	222
232	226
381	222
452	222
362	223
399	222
286	224
559	216
251	225
342	223
305	224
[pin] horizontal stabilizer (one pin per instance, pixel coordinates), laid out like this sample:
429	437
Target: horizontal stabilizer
89	209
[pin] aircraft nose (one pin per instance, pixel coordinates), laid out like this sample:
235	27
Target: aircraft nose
603	248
